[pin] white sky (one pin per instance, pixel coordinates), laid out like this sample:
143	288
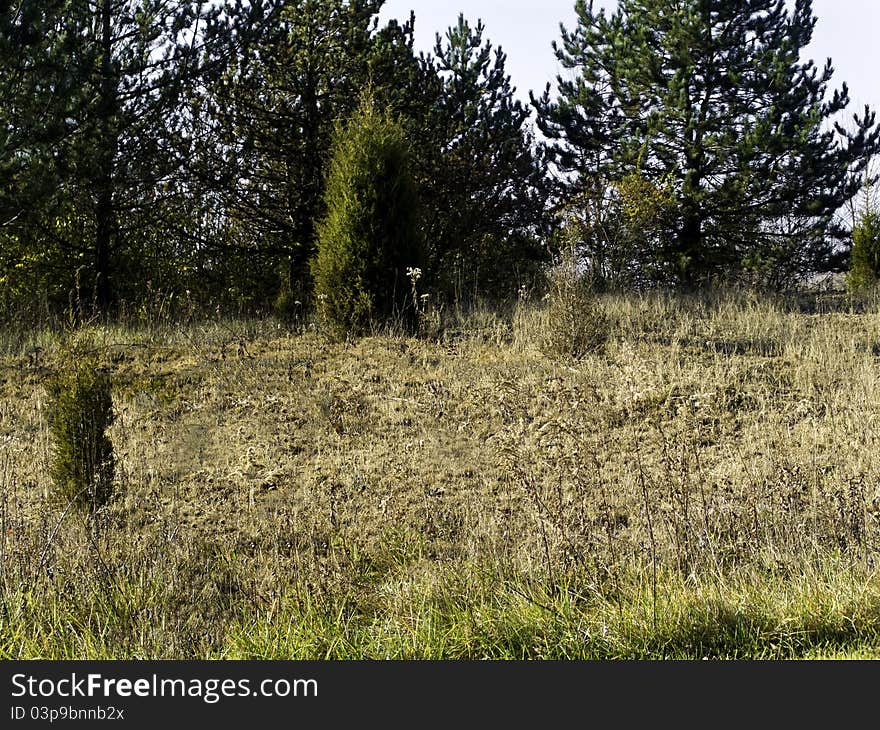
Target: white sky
848	31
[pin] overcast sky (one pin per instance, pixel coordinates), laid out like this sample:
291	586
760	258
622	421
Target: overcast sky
847	31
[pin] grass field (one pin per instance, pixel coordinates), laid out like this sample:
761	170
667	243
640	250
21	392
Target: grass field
703	482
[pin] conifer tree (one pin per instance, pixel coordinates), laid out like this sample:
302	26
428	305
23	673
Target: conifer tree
34	94
482	181
865	267
289	69
108	144
713	98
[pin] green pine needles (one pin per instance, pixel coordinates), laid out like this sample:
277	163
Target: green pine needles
713	101
81	411
371	233
865	270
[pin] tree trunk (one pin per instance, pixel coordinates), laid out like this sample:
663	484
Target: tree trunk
104	204
690	243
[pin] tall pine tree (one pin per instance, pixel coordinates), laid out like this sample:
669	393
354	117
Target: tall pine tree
34	94
711	98
265	116
483	181
108	144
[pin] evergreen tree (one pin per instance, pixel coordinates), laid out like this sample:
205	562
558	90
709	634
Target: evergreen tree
482	180
22	59
81	411
33	101
265	119
369	243
865	267
115	71
711	98
138	58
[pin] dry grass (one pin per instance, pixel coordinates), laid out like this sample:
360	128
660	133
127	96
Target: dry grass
702	485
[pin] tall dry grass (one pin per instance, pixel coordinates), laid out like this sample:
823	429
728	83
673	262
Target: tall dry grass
702	484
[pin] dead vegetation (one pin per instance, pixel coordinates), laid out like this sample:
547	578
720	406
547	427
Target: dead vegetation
704	484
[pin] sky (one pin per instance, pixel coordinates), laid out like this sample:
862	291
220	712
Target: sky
847	31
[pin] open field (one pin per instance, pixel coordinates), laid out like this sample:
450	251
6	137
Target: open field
705	484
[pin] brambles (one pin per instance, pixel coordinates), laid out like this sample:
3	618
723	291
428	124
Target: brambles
81	411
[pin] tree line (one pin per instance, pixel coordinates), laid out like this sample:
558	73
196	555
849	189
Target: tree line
188	147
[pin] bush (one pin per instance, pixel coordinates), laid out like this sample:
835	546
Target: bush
617	228
81	410
865	270
371	233
576	322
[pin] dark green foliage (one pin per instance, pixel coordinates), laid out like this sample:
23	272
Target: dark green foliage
81	411
27	129
181	148
97	150
865	270
370	238
482	181
33	99
712	98
286	71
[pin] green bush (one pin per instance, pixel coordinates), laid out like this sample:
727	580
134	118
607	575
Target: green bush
371	235
865	270
81	411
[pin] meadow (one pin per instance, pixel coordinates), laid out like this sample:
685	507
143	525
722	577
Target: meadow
700	480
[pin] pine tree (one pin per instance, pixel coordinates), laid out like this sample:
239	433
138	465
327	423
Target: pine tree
482	181
712	98
293	70
115	71
34	94
265	119
865	267
140	55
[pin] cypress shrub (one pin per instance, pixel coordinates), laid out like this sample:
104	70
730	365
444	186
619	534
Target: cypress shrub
81	411
371	233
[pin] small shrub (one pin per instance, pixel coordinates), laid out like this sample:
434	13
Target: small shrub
576	322
81	411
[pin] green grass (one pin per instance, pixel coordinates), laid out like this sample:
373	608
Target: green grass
448	616
700	485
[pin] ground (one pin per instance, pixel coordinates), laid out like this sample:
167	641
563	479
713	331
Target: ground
700	483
